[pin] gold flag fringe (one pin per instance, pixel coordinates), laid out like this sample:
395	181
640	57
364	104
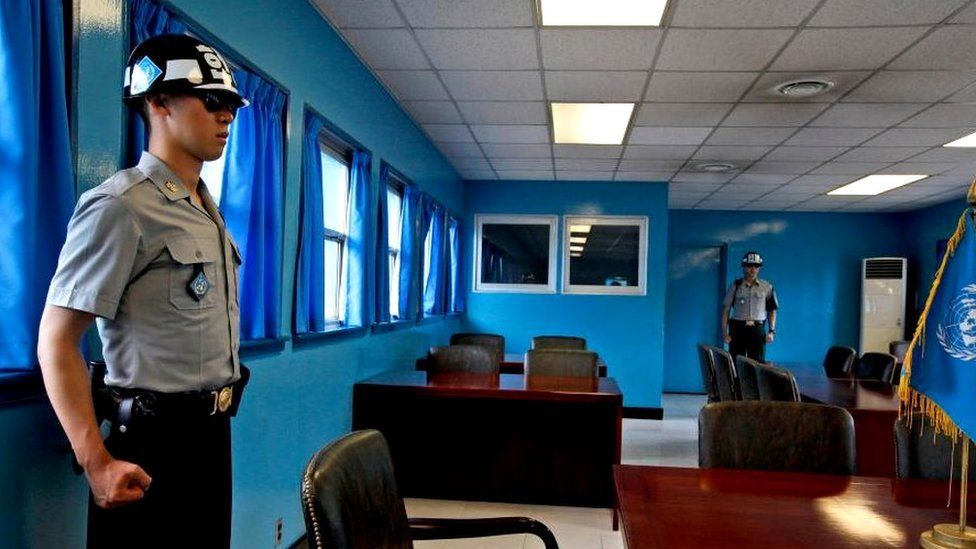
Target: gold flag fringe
910	398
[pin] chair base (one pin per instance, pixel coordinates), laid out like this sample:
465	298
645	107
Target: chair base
948	535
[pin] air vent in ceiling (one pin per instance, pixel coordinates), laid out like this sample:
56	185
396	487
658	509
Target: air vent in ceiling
884	268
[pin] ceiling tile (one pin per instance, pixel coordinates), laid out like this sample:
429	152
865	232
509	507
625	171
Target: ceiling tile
449	133
584	176
789	194
765	88
804	153
595	85
585	164
480	49
879	154
950	47
511	134
618	49
944	154
686	195
475	175
698	86
770	180
833	49
468	13
681	114
433	112
773	167
649	135
661	166
831	136
494	85
413	85
694	186
741	13
967	15
945	115
731	153
587	151
504	112
460	150
471	164
904	86
720	49
866	115
360	13
927	168
687	177
742	183
387	48
721	203
907	137
537	175
876	13
824	182
849	168
511	164
641	176
659	152
525	150
749	136
773	114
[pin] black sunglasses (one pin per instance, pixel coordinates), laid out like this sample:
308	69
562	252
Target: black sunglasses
215	101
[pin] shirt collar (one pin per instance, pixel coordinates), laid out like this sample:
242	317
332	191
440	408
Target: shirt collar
164	178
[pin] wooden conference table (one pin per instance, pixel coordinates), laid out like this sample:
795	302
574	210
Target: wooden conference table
872	404
673	507
549	440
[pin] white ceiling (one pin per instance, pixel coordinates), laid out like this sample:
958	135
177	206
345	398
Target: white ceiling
477	76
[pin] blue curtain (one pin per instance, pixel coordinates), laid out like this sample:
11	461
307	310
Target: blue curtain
356	241
146	19
251	202
37	194
310	273
382	257
433	222
410	268
456	292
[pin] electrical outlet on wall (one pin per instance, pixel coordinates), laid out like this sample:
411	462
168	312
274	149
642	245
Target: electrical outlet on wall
279	531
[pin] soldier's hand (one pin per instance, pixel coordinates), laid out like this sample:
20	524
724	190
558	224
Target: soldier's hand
115	482
769	338
728	339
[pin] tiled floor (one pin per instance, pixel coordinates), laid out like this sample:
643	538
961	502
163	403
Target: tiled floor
672	442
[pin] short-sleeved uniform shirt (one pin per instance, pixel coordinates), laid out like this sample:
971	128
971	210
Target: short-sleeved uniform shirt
134	243
751	301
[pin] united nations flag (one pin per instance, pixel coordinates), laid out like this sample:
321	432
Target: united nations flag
940	368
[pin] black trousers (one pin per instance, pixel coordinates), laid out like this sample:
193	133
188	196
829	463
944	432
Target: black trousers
188	503
748	341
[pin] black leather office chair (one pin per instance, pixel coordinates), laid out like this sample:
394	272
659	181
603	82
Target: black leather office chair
899	349
838	361
350	501
471	359
724	372
559	342
776	384
920	453
876	366
708	378
748	384
560	362
777	436
494	342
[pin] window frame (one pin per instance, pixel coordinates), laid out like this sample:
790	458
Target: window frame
619	220
332	145
552	221
398	184
453	277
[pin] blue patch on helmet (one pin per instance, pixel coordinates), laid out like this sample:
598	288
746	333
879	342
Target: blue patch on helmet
144	73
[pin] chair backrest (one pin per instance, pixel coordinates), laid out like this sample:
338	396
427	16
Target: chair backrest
879	366
838	361
494	342
558	342
350	498
708	378
776	384
899	349
748	384
462	358
724	372
560	362
777	436
920	453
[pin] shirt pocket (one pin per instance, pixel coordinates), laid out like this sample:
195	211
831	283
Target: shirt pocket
189	254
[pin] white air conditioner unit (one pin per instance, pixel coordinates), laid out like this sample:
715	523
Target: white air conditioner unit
883	291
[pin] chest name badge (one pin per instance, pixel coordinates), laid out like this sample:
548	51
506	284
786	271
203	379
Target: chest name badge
198	285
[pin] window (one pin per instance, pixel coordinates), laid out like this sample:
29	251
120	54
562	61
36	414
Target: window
454	300
604	255
394	205
515	253
335	210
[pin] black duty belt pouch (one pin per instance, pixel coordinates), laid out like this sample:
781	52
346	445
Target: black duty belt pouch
239	385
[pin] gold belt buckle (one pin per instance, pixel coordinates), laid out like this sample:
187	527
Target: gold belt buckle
222	399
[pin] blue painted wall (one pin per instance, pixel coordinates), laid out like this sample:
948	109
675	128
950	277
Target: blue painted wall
813	261
627	331
299	398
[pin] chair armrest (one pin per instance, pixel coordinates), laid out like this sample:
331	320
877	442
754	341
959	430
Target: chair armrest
433	528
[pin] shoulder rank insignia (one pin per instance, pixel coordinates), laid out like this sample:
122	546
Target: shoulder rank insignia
198	285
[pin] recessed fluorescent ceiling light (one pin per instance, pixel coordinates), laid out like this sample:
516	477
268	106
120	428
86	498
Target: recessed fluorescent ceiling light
584	229
576	248
966	141
627	13
591	123
577	240
875	184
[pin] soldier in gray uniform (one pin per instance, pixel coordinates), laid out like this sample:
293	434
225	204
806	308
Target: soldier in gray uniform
149	259
752	302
